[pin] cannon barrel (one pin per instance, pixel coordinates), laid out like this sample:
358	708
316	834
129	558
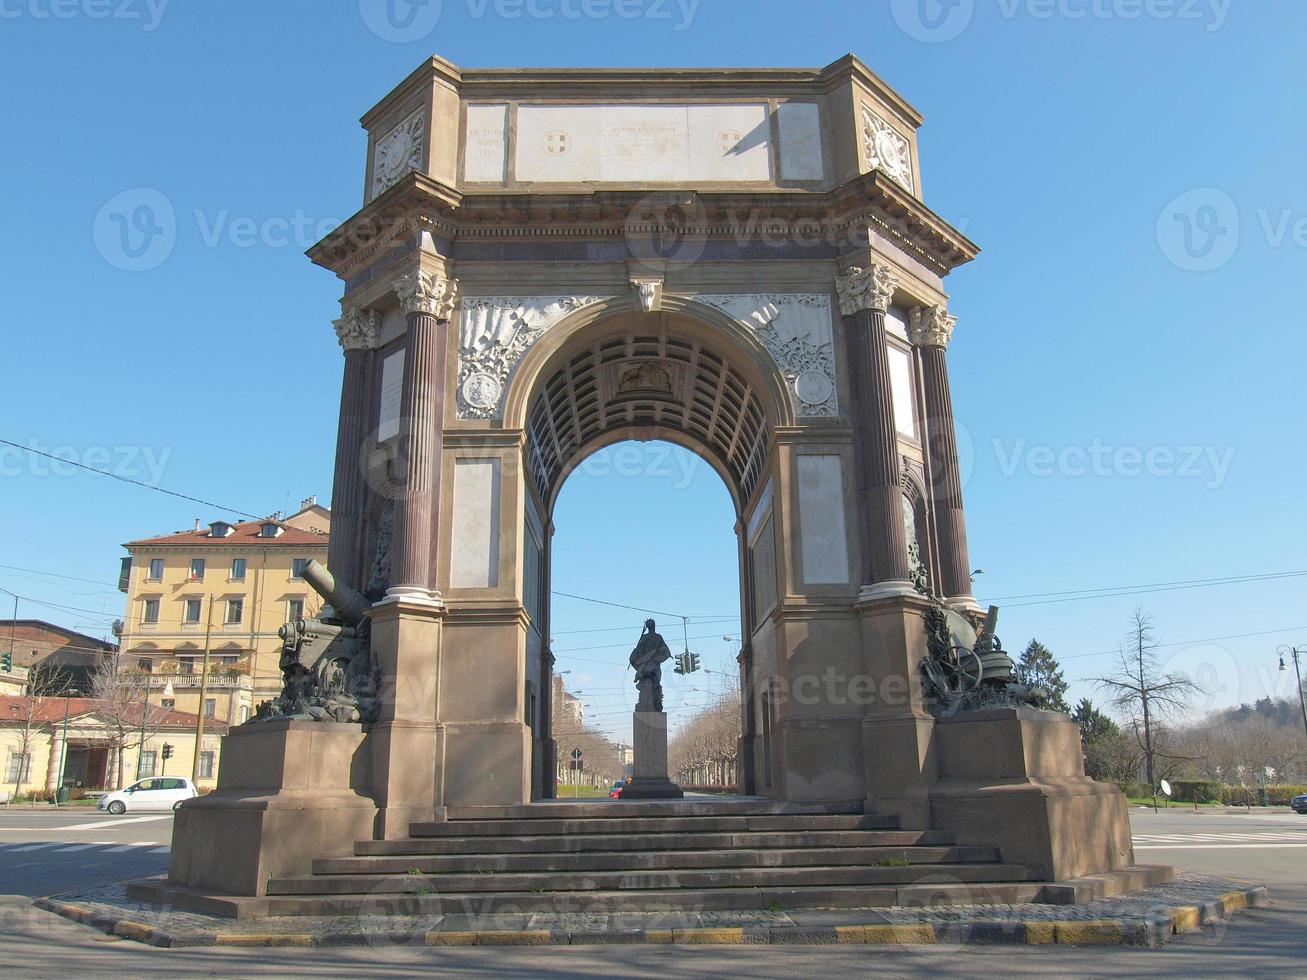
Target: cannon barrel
349	606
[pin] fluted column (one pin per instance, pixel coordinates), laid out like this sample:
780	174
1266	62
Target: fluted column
52	772
930	330
357	332
865	295
428	302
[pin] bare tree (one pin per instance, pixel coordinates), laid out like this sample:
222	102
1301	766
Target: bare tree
121	698
1145	695
25	712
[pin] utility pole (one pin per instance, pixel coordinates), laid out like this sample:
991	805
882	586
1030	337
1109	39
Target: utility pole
1295	653
204	689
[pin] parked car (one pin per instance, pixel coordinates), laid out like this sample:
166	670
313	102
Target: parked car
616	791
1299	804
155	793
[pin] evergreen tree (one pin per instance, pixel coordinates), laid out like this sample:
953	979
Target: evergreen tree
1039	668
1094	725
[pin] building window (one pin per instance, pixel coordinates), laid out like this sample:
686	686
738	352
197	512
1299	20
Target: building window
151	611
169	703
235	610
294	610
269	530
238	569
245	713
206	765
146	664
156	569
185	665
192	610
20	767
297	567
197	569
149	759
210	707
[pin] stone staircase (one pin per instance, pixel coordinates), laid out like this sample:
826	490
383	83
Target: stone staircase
684	855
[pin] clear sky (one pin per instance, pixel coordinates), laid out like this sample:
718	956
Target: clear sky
1126	368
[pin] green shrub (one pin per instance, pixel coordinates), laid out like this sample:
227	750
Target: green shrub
1195	790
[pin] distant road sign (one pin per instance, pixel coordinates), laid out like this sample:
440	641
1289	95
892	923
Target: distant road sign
576	754
1166	788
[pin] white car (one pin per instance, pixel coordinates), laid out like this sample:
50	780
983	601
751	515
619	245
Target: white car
155	793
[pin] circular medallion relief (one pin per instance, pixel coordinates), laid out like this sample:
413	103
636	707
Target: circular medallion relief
813	388
481	391
395	153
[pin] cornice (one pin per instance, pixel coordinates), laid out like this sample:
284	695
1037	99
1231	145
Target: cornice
417	203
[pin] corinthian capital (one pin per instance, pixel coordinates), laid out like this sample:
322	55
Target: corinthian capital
425	292
931	326
358	329
866	289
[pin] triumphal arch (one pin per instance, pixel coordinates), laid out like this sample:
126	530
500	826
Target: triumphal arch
740	261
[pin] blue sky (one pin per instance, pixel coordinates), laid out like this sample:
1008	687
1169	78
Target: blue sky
1126	367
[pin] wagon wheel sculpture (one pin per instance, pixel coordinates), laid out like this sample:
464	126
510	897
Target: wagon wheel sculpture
958	671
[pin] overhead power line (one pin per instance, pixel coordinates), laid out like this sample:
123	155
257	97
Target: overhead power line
1109	592
127	479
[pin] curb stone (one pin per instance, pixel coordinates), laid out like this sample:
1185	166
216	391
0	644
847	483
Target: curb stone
1154	929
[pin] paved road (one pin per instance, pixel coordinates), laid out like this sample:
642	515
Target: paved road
76	848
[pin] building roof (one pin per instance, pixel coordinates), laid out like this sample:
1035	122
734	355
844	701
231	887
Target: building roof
49	710
76	640
245	535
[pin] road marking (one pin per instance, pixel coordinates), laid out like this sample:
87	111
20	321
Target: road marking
74	847
96	825
31	847
1211	847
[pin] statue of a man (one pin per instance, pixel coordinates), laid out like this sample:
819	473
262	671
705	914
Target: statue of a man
647	659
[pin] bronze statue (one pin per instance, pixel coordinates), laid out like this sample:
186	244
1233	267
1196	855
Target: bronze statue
647	658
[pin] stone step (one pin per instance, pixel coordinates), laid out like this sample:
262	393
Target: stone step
654	825
778	857
558	844
778	897
642	880
689	807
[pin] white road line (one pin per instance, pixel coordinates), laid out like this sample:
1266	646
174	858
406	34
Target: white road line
1210	847
32	847
100	824
74	847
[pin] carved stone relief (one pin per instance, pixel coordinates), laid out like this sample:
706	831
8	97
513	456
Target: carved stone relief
398	152
796	330
495	332
888	150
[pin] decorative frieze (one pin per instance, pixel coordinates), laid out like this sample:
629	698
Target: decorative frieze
931	326
425	292
796	330
495	332
358	329
398	152
887	149
866	289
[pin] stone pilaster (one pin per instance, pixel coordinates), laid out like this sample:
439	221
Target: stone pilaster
357	332
865	296
52	773
428	301
930	330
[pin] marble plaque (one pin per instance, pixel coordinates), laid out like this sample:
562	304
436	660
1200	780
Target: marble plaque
474	562
623	143
821	520
392	386
800	135
900	376
485	143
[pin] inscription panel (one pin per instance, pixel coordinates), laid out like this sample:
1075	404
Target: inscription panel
485	142
623	143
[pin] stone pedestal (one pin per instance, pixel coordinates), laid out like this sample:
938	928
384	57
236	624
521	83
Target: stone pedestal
1014	778
288	792
649	769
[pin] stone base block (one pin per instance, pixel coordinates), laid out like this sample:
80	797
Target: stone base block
652	789
288	792
1014	778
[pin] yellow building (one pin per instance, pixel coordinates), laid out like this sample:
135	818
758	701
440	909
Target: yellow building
225	588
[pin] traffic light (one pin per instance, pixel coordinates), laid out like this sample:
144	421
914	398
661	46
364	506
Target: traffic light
167	751
694	663
682	663
7	662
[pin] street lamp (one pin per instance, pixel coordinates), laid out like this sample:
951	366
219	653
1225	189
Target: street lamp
1294	653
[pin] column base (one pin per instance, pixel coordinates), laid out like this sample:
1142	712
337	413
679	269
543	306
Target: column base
885	590
966	604
414	594
652	789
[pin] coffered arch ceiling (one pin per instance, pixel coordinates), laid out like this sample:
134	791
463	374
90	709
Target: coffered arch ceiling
657	377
